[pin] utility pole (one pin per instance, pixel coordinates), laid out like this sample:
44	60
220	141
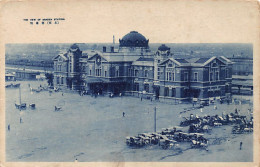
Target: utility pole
20	98
154	119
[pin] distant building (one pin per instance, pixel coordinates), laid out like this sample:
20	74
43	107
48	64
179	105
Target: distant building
9	77
134	70
242	85
26	75
242	65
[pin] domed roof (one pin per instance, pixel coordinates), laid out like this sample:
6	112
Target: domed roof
163	47
133	39
74	47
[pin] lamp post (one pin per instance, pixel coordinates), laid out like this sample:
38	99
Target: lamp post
154	119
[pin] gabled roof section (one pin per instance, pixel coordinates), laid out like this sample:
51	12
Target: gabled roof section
202	60
182	60
145	59
226	59
95	53
175	61
62	55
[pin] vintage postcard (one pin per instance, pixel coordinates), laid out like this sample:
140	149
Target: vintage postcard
129	83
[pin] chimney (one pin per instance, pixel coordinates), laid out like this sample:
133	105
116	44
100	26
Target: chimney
112	49
104	49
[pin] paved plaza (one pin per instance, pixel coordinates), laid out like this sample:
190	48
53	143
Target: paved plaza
93	129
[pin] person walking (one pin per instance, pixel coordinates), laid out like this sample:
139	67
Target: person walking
21	120
8	127
123	114
241	143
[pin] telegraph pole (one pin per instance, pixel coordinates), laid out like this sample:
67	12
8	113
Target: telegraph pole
20	98
154	119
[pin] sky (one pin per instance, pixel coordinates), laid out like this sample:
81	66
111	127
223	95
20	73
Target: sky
159	21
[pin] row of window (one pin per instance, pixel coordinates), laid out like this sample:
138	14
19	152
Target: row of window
58	67
60	80
136	87
136	73
98	73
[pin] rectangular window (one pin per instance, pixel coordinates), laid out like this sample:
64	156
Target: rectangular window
226	73
158	73
105	73
62	80
90	72
185	76
146	73
58	80
117	73
136	87
217	75
173	92
136	73
167	76
170	76
195	76
129	72
146	87
211	76
173	76
166	91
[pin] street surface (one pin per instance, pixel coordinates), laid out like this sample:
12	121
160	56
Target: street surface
93	129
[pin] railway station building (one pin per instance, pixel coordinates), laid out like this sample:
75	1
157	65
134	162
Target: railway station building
133	69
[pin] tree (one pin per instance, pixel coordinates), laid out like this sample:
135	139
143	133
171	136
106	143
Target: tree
49	77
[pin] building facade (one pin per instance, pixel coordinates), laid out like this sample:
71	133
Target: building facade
133	69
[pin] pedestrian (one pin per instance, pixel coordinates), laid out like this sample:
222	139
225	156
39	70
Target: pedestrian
20	120
241	143
8	127
215	107
76	160
62	94
201	110
123	114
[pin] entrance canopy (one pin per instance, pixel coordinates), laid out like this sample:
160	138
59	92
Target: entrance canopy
93	80
100	80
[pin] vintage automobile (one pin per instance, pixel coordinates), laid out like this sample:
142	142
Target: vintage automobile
21	106
32	106
146	138
130	141
198	144
166	143
238	129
